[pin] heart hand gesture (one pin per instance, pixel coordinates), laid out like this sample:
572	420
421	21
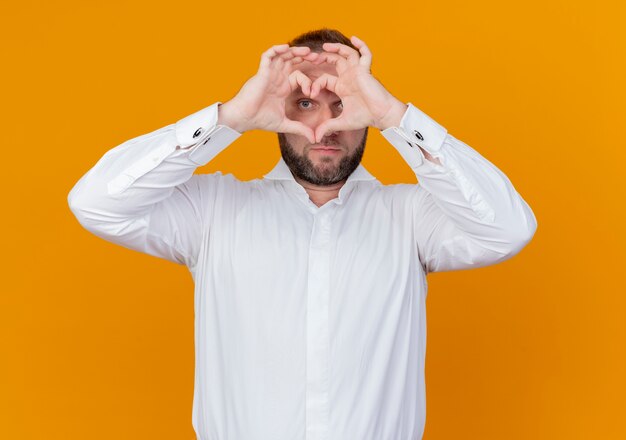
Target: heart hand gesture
260	104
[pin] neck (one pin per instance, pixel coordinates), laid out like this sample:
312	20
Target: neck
320	194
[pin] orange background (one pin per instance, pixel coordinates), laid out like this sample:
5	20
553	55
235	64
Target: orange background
97	340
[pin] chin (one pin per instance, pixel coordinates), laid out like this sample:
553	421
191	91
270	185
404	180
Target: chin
326	163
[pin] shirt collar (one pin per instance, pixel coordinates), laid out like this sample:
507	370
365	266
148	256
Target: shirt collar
281	172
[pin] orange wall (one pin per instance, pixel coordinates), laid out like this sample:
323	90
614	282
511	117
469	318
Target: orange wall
97	340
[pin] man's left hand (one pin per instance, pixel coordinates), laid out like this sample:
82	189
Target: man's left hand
365	100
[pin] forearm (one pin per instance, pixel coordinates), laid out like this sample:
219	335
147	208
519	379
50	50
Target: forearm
473	193
139	173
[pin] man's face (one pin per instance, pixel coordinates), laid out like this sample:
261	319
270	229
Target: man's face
338	154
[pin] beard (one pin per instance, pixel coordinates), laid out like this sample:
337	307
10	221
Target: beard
325	174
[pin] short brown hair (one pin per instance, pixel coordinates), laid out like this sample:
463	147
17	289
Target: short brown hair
315	39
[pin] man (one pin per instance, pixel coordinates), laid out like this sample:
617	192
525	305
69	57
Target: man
310	284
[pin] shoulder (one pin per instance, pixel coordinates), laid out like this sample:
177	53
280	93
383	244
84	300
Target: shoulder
218	178
396	191
395	198
231	187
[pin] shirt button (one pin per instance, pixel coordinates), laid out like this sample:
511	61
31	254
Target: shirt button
418	135
197	133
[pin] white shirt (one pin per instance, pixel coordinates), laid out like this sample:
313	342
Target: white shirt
310	322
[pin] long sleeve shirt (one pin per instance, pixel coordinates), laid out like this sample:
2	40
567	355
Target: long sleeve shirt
310	322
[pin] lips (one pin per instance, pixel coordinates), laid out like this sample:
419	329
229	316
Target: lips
325	147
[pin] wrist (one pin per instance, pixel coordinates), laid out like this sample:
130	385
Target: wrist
394	115
227	115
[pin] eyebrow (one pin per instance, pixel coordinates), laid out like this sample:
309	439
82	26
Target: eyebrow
296	94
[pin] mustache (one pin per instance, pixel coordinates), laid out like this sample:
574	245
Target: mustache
331	141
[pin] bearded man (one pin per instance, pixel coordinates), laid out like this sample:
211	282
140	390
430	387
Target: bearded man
310	283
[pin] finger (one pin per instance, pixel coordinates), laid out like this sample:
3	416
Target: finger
332	58
324	81
299	128
311	57
289	55
296	52
366	54
345	51
300	50
277	63
320	58
270	53
328	126
299	79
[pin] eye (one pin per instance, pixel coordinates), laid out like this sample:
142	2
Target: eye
305	104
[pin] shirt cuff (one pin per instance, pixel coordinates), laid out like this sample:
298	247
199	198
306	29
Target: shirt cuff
416	129
202	137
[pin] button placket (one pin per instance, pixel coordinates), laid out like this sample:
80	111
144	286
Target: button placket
318	342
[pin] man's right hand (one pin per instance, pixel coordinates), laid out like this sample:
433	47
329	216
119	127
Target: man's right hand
260	104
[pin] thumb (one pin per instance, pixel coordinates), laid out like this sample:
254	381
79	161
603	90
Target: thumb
328	126
296	127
